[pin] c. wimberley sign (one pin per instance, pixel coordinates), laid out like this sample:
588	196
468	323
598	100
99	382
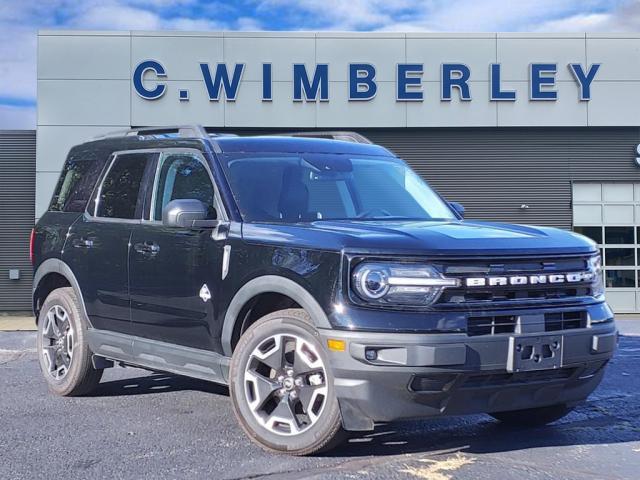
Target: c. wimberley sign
311	83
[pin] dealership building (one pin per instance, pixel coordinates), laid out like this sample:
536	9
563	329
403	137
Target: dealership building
524	128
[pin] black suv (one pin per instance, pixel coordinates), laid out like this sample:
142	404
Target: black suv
321	279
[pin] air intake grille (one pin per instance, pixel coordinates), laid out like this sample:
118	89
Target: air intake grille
505	379
564	321
491	325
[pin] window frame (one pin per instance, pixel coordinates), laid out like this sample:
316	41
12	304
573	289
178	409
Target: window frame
94	200
149	210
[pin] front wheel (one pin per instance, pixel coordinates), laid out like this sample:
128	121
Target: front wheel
281	386
533	417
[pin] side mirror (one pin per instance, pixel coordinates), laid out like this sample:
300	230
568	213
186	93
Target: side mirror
187	213
458	208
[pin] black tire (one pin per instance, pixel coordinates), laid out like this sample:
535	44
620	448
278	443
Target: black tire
533	417
80	377
320	434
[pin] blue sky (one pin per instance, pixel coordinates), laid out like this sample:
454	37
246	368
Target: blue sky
20	20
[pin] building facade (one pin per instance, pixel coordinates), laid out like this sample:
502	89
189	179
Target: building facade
526	128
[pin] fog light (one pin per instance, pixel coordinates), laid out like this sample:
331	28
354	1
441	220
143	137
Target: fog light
371	354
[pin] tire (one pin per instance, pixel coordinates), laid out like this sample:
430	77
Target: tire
63	350
533	417
281	411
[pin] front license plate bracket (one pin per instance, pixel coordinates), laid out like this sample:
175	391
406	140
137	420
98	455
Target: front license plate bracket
539	352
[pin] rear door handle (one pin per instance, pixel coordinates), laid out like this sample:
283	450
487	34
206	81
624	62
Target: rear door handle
147	248
82	242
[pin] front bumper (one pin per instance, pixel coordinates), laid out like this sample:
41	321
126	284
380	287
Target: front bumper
423	375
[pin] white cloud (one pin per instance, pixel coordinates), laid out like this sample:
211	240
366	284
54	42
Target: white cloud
116	17
18	63
17	118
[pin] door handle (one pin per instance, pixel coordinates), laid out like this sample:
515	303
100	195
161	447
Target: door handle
82	242
147	248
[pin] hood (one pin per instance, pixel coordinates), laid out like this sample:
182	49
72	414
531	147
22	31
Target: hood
422	237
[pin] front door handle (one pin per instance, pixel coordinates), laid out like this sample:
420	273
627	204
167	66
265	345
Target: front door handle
147	248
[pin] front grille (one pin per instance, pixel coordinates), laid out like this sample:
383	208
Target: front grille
502	294
564	321
491	325
516	295
506	379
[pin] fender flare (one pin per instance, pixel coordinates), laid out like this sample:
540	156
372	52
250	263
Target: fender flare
55	265
270	284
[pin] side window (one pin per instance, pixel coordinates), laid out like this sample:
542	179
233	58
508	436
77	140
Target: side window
77	180
119	195
183	176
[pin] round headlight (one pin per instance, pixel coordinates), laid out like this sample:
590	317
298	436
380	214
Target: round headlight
371	281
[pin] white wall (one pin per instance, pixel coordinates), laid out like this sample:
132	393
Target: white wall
84	82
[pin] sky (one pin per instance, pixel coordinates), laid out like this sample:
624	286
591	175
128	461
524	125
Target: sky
21	19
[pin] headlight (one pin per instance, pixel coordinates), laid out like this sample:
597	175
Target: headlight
595	267
399	283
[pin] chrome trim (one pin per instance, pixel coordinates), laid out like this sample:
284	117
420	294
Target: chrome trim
424	282
226	257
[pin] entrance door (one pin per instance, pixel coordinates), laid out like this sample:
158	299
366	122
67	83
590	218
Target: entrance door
175	273
609	213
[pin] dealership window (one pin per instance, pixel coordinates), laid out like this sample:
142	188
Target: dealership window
609	214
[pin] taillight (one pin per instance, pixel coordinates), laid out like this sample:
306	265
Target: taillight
32	237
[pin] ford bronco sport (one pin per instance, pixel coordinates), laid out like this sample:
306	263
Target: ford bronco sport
321	279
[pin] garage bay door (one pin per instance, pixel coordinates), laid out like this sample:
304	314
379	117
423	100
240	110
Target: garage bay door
609	213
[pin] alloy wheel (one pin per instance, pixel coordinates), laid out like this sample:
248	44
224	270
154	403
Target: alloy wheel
57	342
285	384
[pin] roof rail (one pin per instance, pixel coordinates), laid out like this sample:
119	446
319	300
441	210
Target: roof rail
345	136
182	131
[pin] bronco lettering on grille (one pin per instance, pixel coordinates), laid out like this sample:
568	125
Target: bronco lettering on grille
575	277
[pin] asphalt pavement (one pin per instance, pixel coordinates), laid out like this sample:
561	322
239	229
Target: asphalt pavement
140	425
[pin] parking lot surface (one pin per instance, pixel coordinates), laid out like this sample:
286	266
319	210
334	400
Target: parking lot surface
140	425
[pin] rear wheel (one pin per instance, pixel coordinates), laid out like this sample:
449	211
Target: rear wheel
282	388
533	417
63	351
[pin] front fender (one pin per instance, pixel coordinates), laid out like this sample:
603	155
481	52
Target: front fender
270	284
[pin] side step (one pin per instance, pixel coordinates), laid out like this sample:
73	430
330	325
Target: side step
155	355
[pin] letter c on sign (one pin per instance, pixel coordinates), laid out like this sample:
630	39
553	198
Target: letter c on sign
138	75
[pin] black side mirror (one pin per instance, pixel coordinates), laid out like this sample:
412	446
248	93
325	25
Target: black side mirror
458	208
187	213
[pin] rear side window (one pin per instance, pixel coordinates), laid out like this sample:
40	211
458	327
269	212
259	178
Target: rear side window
77	180
119	195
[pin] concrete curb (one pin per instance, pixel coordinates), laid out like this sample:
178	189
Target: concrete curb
11	323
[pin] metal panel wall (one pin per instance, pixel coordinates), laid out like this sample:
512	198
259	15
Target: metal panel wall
17	205
494	171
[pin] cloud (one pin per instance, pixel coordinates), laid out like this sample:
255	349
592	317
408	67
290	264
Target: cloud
626	18
17	118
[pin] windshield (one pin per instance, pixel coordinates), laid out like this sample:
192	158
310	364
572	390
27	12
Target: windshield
310	187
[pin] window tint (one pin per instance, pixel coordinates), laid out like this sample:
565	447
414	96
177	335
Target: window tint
594	233
77	180
618	235
183	177
620	278
121	187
